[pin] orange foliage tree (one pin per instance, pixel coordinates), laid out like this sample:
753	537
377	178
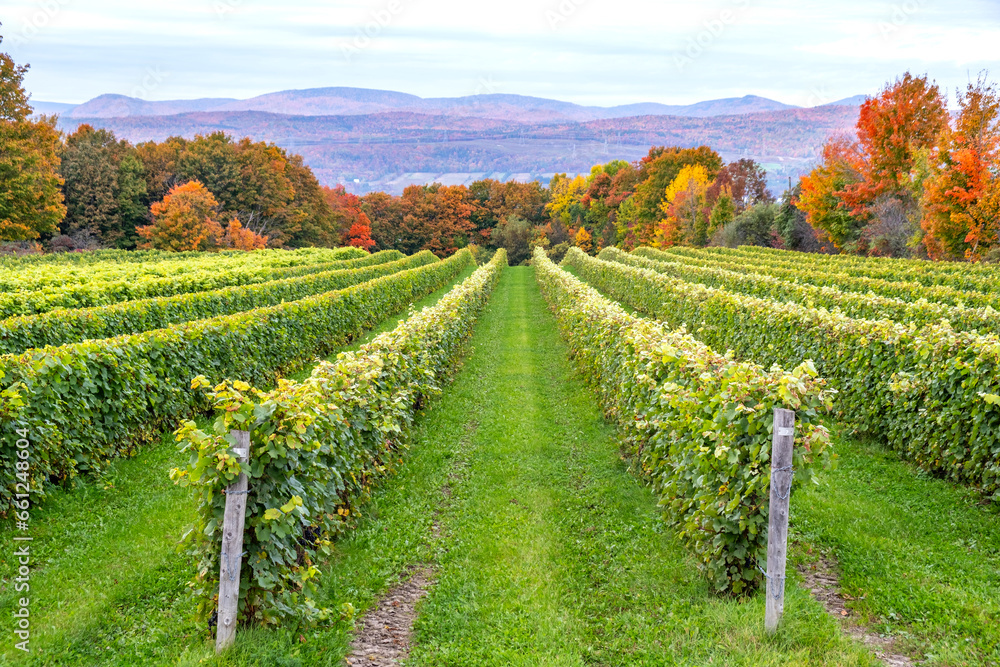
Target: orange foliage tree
892	128
961	199
360	234
819	196
436	218
186	221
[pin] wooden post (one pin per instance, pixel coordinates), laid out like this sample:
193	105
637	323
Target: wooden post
777	533
232	549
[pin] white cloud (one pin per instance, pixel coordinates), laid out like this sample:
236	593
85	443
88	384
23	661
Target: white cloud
594	51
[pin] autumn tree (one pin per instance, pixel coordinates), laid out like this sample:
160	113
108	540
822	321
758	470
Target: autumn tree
494	201
312	220
184	221
746	182
233	236
961	199
159	166
906	117
723	212
820	192
638	223
436	218
683	209
360	235
582	240
31	202
514	234
565	203
386	215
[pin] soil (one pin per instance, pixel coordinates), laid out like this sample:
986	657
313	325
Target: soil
821	578
383	637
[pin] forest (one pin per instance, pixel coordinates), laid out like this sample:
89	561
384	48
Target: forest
912	181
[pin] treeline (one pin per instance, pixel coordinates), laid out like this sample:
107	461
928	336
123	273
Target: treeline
91	190
914	181
917	180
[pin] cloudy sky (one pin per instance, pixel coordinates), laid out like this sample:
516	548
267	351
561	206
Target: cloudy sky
602	52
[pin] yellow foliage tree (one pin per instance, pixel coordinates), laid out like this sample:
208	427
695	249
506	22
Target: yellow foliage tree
566	195
684	217
582	240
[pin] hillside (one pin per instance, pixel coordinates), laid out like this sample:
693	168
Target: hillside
386	151
341	101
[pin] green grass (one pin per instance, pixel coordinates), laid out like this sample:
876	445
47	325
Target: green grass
552	553
921	556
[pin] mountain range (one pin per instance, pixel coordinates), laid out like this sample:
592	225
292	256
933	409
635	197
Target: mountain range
384	140
363	101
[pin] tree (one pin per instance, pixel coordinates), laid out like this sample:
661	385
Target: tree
746	182
104	187
722	213
892	128
657	171
820	190
360	235
14	100
311	219
960	198
159	165
791	225
386	215
582	240
184	220
132	194
234	237
436	218
514	235
683	209
565	204
755	226
31	202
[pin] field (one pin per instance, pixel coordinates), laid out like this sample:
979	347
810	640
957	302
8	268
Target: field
462	463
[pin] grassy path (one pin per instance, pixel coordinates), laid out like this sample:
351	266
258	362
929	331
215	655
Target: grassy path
552	553
919	557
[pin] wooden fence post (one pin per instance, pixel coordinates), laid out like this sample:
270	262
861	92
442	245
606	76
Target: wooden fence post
777	533
232	549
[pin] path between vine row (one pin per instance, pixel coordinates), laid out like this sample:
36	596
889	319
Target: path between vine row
543	549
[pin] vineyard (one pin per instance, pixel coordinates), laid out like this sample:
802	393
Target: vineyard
302	457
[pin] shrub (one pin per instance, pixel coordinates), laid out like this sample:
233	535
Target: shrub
317	449
100	399
931	393
699	423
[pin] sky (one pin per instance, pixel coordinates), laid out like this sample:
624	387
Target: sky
599	52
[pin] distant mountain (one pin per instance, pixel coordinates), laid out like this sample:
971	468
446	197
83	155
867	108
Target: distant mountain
853	101
344	101
120	106
49	108
384	140
725	107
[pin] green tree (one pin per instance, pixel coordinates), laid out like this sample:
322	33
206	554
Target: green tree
722	213
91	162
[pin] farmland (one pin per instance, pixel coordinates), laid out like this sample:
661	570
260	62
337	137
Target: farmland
557	464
